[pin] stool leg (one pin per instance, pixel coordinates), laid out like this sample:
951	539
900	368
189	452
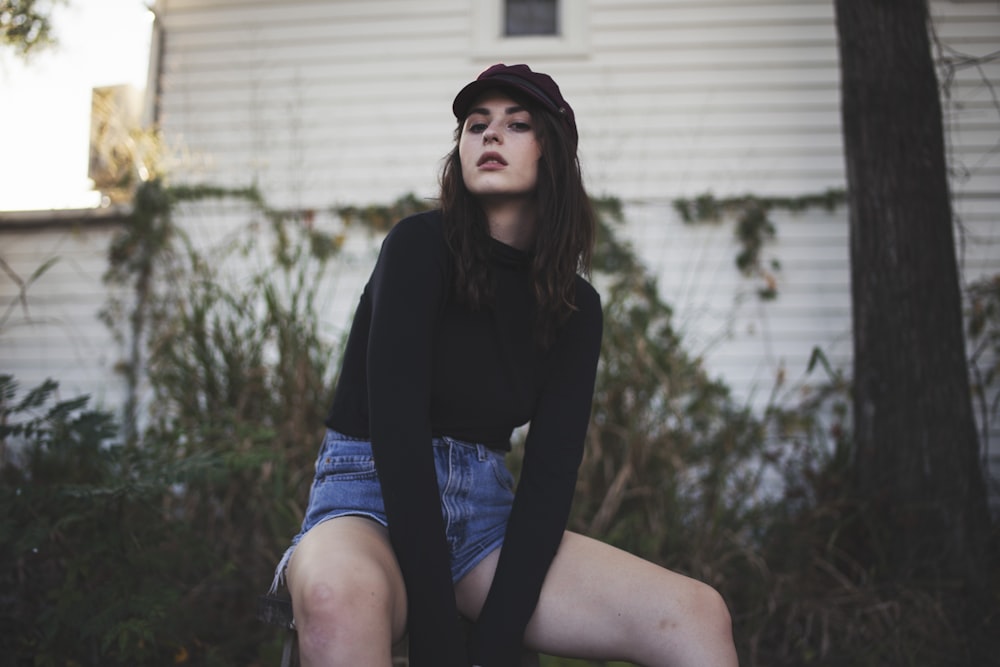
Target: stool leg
289	652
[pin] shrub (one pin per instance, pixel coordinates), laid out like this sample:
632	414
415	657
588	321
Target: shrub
93	571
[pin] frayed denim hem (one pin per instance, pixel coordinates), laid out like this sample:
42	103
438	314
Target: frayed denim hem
279	571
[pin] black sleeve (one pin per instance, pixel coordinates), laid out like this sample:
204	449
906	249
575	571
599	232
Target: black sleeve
553	451
408	286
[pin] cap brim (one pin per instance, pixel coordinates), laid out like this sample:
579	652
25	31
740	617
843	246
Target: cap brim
463	101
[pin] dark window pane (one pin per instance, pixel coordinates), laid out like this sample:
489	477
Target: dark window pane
531	17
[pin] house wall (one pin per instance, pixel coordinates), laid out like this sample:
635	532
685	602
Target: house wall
328	102
323	103
347	102
51	294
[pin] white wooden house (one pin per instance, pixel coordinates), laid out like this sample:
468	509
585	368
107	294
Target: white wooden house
323	103
51	293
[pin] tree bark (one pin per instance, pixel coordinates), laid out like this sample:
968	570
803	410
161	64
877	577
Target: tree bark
916	460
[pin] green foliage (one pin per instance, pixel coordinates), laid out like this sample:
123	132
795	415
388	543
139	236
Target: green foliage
382	218
668	471
754	228
26	25
756	505
678	472
93	573
151	548
237	370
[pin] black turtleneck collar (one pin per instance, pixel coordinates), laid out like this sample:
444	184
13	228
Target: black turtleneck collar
505	255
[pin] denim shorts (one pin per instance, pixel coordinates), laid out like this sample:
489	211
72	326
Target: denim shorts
476	489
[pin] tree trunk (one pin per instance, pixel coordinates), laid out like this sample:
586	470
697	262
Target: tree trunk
916	461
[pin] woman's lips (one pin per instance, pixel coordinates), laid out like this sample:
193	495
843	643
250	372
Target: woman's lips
491	160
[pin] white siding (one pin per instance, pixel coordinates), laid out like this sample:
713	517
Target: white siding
972	122
326	102
330	102
320	102
347	101
57	334
741	338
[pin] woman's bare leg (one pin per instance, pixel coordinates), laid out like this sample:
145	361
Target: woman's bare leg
602	603
347	594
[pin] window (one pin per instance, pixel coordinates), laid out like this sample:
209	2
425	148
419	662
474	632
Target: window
531	17
509	29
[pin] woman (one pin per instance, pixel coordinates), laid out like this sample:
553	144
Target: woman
476	321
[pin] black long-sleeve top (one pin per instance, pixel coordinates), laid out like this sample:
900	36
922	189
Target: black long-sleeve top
418	365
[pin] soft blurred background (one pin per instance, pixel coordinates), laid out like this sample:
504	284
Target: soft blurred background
798	398
45	101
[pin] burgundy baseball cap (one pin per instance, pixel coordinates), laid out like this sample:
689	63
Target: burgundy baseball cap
520	79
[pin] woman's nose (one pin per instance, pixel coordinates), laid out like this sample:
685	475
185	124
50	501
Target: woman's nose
491	134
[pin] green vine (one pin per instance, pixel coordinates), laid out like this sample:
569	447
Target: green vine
754	227
143	253
382	217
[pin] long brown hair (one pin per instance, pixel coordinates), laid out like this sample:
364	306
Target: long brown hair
564	233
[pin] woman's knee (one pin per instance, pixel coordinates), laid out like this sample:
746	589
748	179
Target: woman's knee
712	611
351	606
693	609
692	626
346	586
356	587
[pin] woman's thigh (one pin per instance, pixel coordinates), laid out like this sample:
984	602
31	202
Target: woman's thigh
344	569
602	603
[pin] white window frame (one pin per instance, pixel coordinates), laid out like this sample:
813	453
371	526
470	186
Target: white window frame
489	41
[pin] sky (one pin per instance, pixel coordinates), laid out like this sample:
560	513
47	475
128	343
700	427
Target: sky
45	103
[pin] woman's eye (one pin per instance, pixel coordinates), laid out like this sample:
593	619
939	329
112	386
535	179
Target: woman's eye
477	128
519	126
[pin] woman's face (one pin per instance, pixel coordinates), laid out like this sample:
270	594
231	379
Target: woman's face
498	148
